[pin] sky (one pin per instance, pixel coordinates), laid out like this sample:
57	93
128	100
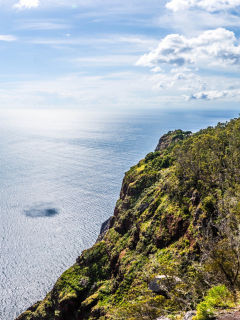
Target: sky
120	54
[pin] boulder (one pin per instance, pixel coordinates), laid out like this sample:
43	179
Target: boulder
143	207
163	284
189	315
84	282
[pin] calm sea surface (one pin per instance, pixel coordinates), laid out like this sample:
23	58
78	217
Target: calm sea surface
60	176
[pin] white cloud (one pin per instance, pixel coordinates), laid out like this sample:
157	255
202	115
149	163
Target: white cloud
199	20
156	70
113	90
8	38
179	81
27	4
209	5
213	47
178	70
163	85
217	46
177	5
213	95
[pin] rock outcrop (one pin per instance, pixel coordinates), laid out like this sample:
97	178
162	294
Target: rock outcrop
171	137
104	229
163	284
189	315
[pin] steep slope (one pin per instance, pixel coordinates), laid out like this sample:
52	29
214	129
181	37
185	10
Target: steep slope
168	203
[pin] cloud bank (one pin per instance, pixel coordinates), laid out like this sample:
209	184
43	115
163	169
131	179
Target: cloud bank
213	95
209	5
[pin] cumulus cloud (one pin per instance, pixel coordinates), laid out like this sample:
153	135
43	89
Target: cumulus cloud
178	81
180	76
213	95
178	5
213	47
209	5
161	85
217	46
27	4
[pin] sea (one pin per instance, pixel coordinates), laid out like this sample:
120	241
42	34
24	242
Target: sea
60	176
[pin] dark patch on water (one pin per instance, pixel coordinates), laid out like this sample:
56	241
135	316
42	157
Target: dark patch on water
42	210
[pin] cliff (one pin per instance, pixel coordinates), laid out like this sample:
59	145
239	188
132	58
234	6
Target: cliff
176	218
171	138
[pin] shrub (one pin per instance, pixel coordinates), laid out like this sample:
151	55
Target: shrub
178	136
217	297
209	203
152	155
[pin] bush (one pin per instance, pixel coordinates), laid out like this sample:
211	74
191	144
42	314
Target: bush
217	297
166	161
152	155
209	203
178	136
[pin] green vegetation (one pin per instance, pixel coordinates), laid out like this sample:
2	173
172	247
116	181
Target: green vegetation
178	215
217	297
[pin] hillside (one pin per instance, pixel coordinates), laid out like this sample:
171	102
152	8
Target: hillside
174	236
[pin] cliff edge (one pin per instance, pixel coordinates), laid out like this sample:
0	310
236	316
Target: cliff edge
174	228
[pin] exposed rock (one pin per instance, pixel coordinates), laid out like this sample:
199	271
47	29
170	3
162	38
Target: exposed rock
175	136
94	286
164	142
97	312
163	284
104	229
34	307
235	315
143	207
177	229
84	282
195	198
189	315
196	215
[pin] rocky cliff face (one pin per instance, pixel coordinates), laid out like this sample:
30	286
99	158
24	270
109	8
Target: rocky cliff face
173	136
154	230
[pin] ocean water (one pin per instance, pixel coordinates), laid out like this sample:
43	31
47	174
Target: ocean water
60	176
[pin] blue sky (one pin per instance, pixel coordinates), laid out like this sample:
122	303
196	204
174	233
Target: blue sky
119	54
